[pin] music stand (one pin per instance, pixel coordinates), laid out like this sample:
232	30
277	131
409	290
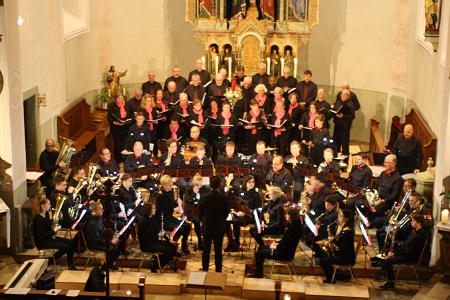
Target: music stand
146	171
225	168
255	170
315	231
366	242
306	170
121	232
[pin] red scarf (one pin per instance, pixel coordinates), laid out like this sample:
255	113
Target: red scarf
226	118
150	116
275	101
311	119
123	112
254	116
199	114
185	112
174	131
214	112
292	108
163	104
262	100
278	122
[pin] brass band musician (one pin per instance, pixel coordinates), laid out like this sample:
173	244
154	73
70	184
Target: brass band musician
280	177
296	159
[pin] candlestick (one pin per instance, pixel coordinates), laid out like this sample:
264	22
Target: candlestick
124	91
203	61
217	65
282	65
444	217
268	66
295	67
229	68
233	84
109	93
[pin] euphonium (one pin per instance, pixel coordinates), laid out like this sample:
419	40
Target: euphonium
75	208
65	154
60	199
371	195
92	170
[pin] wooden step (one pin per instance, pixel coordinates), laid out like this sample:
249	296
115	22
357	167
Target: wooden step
255	288
438	291
341	291
163	283
76	280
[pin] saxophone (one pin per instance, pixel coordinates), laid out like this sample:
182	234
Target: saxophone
75	208
228	180
60	199
331	248
175	190
65	154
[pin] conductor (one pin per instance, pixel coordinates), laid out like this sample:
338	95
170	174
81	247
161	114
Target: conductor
214	210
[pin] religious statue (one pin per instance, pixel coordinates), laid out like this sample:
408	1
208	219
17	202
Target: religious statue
289	60
275	63
238	9
226	57
431	15
213	54
113	79
268	9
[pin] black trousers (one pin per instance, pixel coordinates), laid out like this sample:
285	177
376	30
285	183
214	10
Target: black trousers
281	142
119	144
263	253
169	250
64	246
184	231
341	137
237	223
218	242
298	188
197	227
267	231
326	262
387	264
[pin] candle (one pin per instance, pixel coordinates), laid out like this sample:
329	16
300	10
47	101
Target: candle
124	91
109	92
295	67
217	65
444	217
203	61
268	66
282	65
233	83
229	68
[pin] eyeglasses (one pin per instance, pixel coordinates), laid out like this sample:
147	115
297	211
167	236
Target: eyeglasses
106	153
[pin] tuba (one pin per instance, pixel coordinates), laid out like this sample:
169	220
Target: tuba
73	211
65	154
92	170
60	199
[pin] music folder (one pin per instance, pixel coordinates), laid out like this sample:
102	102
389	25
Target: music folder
277	126
364	232
258	224
311	225
174	231
126	226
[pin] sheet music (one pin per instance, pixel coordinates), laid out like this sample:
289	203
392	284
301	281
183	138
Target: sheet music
73	293
18	291
363	218
126	226
79	219
197	278
276	126
258	225
363	230
311	225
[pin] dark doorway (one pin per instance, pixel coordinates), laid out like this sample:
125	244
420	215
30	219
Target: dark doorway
30	122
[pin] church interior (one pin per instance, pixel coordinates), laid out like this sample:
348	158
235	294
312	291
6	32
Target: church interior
55	56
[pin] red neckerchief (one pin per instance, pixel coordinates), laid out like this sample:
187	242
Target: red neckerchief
408	139
174	131
184	107
226	118
150	116
316	190
229	157
107	163
139	127
260	156
163	104
291	108
311	119
276	172
175	154
328	163
214	112
123	112
387	173
253	120
262	100
279	116
199	114
194	140
138	157
360	168
318	129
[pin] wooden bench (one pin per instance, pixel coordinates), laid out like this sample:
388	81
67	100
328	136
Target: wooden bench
75	123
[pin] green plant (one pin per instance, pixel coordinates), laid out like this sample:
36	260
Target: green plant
103	96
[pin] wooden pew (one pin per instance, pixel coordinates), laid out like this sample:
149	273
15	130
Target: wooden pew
421	131
75	123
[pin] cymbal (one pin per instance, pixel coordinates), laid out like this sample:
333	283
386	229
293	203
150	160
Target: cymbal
271	149
309	144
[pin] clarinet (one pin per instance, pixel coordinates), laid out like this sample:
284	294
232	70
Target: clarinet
162	226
